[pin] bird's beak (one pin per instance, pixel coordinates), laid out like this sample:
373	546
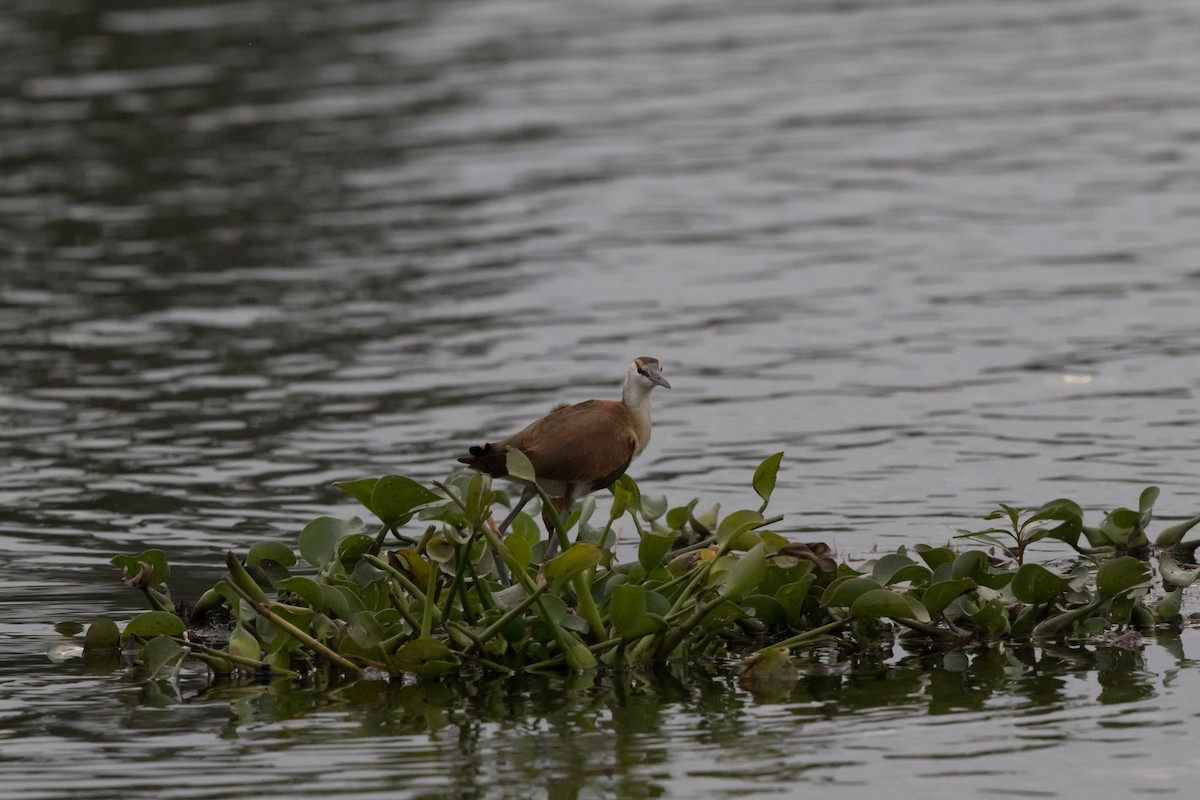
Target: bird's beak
656	377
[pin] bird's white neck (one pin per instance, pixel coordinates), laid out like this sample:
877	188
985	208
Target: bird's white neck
636	396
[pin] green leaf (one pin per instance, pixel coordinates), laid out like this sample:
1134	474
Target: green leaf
764	478
746	573
1033	583
652	548
102	634
1169	607
353	547
156	559
1175	574
1169	537
767	609
305	588
159	654
1146	502
319	539
628	610
418	654
1121	575
935	556
360	489
943	593
243	580
737	523
270	551
243	644
791	597
895	568
572	561
149	624
884	603
519	466
395	498
365	630
844	591
654	507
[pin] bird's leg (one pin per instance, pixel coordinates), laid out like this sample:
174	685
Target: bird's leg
501	567
563	506
527	495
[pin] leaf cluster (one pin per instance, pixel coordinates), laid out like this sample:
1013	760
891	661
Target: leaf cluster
435	589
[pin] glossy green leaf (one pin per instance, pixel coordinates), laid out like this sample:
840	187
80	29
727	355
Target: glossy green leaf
896	568
160	654
519	466
319	539
630	615
1169	537
943	593
1033	583
764	478
1175	574
306	589
934	557
884	603
654	507
652	547
353	547
156	559
154	623
737	523
360	489
243	580
1169	607
791	597
278	552
417	654
574	560
102	634
365	629
844	591
243	644
395	498
1121	575
746	574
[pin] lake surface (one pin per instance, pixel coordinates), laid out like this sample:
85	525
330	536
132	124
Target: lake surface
941	254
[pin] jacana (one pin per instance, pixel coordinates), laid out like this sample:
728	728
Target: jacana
578	449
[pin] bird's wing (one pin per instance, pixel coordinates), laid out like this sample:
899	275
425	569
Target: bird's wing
591	441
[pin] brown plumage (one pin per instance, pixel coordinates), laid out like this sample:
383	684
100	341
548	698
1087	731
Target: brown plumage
590	443
581	448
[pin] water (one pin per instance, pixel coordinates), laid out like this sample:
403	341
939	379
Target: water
942	254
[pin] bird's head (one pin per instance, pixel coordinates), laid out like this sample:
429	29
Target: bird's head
646	371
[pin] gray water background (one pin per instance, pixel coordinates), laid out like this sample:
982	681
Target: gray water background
942	254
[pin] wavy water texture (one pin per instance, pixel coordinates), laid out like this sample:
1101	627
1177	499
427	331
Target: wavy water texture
942	254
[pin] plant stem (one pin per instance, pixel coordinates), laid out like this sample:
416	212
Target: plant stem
297	634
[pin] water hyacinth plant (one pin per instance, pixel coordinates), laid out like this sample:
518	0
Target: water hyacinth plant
434	589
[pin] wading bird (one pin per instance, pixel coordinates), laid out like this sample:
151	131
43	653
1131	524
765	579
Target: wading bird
578	449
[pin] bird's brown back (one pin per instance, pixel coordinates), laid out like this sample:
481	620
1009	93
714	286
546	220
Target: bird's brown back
593	441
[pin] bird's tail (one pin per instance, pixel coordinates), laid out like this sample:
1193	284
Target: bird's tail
488	459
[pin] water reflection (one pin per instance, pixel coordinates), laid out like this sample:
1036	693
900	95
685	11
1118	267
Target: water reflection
900	716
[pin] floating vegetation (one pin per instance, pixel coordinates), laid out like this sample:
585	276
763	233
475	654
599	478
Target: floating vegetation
424	594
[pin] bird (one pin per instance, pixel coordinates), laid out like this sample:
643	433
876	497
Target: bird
577	449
